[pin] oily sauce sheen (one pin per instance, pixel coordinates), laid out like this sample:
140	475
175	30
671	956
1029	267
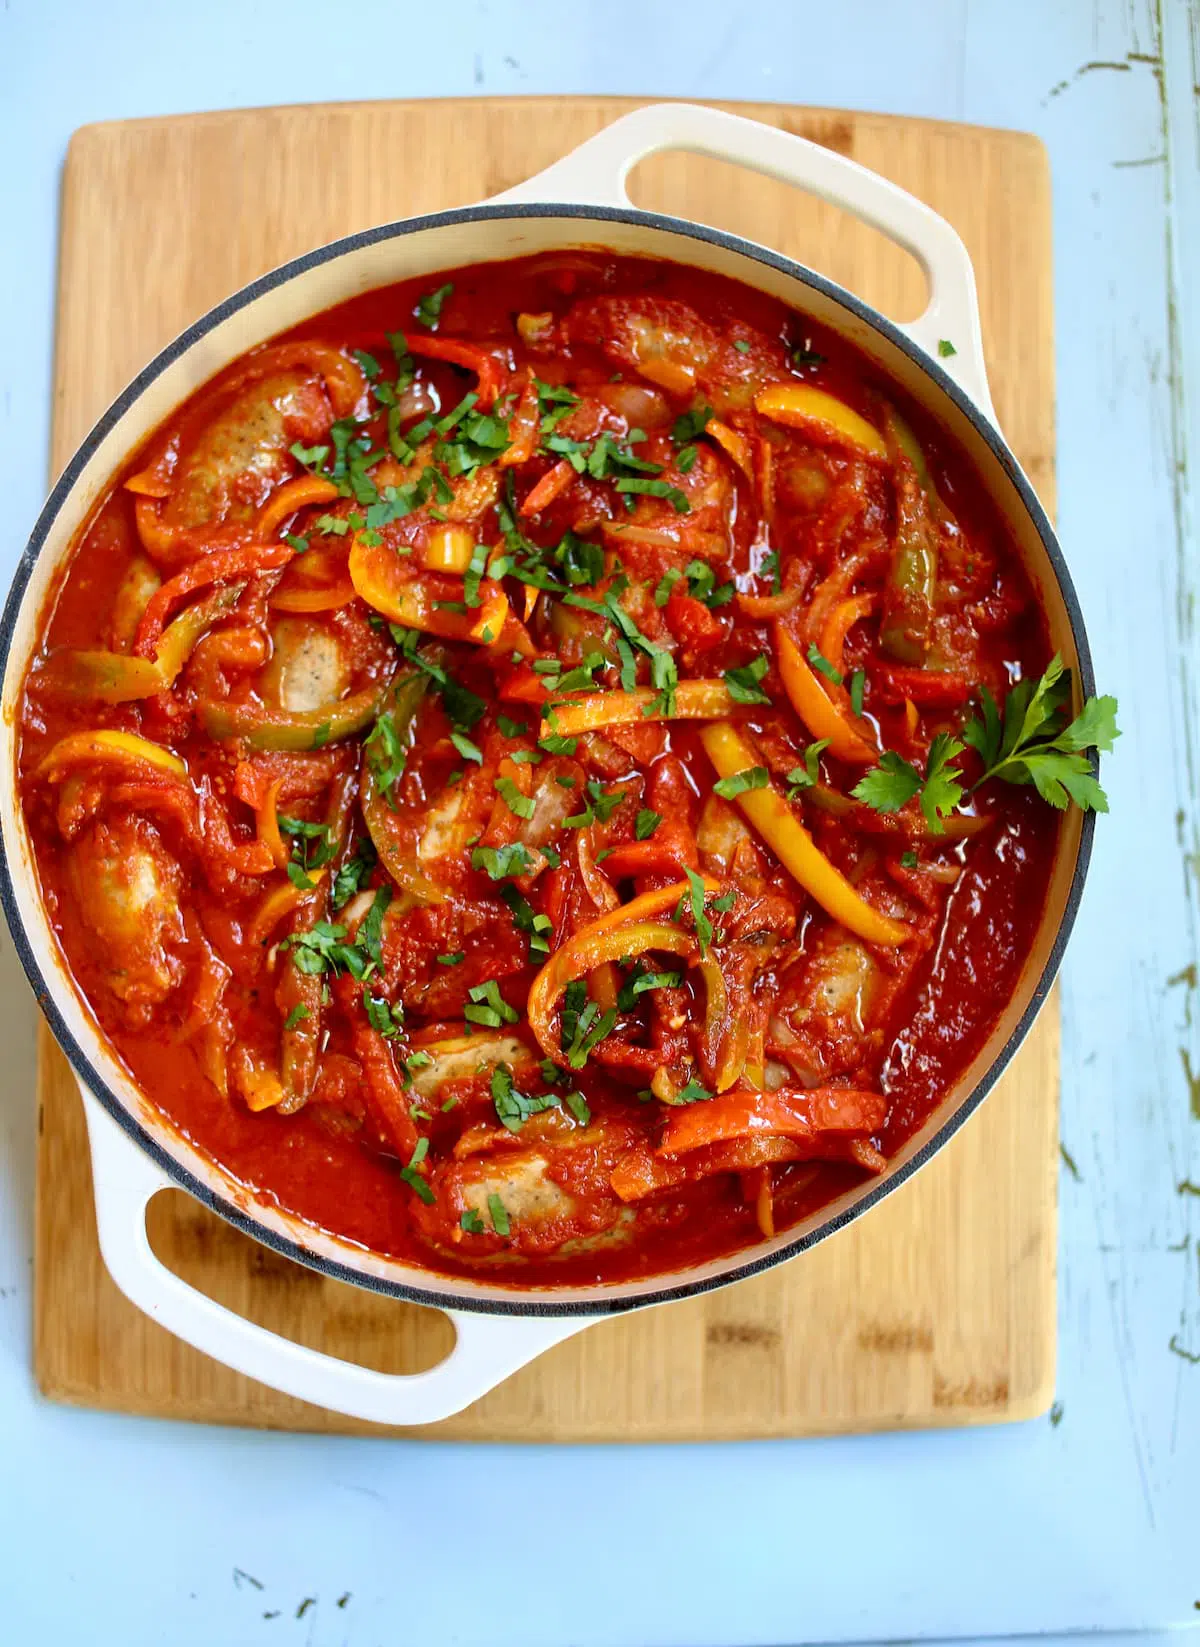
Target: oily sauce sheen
370	762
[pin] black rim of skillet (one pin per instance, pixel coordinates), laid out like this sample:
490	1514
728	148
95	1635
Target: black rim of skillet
658	1289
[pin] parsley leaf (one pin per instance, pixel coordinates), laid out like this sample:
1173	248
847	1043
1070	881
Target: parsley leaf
805	777
1031	743
895	782
518	803
822	664
488	1007
691	424
645	824
499	1214
753	777
743	681
429	308
500	862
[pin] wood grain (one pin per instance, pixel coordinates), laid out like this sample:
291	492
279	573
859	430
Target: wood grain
939	1307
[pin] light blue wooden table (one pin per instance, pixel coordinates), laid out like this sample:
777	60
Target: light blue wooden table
128	1532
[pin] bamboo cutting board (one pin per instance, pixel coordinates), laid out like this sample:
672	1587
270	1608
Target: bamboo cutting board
938	1307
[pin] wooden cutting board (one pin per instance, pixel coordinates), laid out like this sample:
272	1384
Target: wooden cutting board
939	1307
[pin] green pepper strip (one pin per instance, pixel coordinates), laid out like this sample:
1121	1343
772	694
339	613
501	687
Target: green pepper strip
402	704
280	729
911	583
112	677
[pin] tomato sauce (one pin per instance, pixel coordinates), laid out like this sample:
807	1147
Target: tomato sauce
496	773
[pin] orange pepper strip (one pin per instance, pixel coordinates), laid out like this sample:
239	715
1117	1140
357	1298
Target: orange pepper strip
911	718
381	578
328	599
770	606
733	444
815	708
552	485
285	500
268	826
791	843
839	624
694	700
623	931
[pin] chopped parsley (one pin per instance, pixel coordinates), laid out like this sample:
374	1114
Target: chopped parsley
501	862
455	958
297	1015
640	982
499	1214
743	682
354	872
417	1180
429	308
518	803
753	777
691	424
536	927
645	824
908	860
471	1222
946	348
895	782
805	777
858	681
822	664
488	1007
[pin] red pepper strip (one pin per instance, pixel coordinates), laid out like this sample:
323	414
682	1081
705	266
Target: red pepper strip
640	1173
666	853
524	686
551	486
524	427
218	568
470	355
932	688
794	1112
383	1090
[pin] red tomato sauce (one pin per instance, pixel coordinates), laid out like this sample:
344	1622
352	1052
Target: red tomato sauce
440	767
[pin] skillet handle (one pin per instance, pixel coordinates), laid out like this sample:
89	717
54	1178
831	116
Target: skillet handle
486	1350
595	174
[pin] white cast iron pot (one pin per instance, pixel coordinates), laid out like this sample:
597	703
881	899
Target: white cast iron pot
579	201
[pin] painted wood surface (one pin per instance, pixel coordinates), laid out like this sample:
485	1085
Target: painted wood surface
939	1308
117	1530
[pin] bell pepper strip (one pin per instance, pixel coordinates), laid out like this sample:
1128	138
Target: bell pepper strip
330	599
264	728
640	1173
222	567
770	606
116	677
911	718
301	1037
524	430
490	371
257	1084
791	1112
267	826
627	930
384	1093
791	843
823	718
726	1038
665	853
108	748
551	486
839	623
397	849
694	700
140	581
281	900
301	493
380	576
802	406
733	444
902	441
449	549
930	688
911	583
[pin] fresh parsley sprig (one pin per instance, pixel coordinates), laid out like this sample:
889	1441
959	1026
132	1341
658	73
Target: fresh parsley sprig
1033	742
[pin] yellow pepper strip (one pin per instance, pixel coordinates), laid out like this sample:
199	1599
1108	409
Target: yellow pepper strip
791	843
694	700
624	931
911	718
380	576
268	826
107	747
733	444
801	406
729	1039
449	549
840	622
280	901
330	598
814	706
287	499
259	1086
